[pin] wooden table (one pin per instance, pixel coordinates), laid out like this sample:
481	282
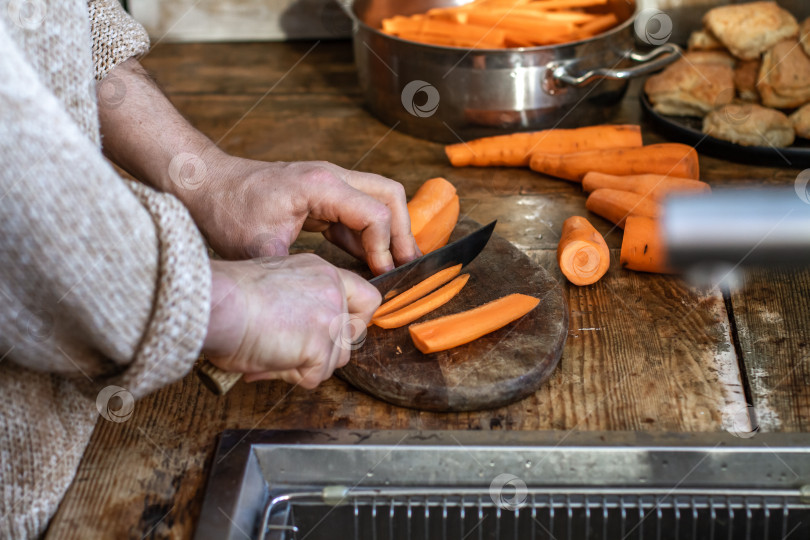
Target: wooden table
644	352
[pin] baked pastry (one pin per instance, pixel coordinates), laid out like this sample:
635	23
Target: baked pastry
711	57
690	89
749	124
745	79
784	77
801	122
804	36
748	30
703	40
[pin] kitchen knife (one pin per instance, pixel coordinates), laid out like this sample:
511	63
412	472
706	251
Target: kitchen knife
462	251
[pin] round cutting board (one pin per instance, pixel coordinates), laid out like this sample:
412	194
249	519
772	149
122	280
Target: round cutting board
499	368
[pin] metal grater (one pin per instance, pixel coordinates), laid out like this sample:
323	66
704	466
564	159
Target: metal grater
390	485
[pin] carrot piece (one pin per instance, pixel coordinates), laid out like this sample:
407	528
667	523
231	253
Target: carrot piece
655	186
582	253
428	201
418	291
423	306
454	330
643	247
567	4
515	150
597	26
437	233
668	158
615	205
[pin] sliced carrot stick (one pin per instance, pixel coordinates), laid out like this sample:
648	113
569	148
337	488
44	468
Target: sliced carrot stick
655	186
615	205
454	330
643	247
582	253
515	150
418	291
437	232
597	26
668	158
423	306
428	201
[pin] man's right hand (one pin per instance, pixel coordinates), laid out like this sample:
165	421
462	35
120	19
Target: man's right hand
294	318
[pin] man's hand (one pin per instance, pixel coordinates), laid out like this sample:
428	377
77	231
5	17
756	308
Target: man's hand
248	208
294	318
252	209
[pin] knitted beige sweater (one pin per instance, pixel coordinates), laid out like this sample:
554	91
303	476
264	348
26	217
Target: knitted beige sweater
103	283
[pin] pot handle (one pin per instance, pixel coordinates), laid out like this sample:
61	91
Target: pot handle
648	63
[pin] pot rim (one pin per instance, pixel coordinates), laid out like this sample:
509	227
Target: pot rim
539	48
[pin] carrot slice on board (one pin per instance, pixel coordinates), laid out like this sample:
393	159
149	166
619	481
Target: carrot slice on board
454	330
437	232
643	246
615	205
423	306
418	291
428	201
582	253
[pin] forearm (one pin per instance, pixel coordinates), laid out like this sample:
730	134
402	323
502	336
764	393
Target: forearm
146	136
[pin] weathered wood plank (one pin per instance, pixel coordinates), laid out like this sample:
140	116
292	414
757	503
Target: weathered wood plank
771	312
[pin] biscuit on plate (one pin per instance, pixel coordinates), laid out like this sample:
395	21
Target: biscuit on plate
784	77
689	89
801	122
748	30
804	36
710	57
703	40
745	79
749	124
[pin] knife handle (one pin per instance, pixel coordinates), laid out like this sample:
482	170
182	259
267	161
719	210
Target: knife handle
218	381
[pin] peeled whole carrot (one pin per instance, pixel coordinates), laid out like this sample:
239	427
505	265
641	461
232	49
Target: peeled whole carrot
582	253
655	186
423	306
460	328
418	291
615	205
673	159
515	150
428	201
643	247
437	232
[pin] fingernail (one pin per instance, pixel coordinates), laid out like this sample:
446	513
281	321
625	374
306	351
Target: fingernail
382	261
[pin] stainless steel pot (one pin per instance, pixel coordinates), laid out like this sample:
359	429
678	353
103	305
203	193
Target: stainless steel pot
446	93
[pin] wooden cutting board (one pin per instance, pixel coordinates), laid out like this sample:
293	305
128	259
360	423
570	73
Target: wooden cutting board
497	369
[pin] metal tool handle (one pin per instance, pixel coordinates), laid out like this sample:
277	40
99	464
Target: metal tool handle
650	62
218	381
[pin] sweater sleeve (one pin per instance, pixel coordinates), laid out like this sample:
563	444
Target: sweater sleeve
116	36
101	282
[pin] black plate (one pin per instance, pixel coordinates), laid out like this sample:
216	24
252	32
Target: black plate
688	129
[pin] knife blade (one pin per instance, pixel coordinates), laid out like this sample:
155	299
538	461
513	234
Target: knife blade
462	251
